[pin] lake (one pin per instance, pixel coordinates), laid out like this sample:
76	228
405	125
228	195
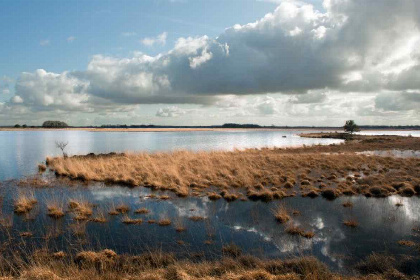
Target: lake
22	151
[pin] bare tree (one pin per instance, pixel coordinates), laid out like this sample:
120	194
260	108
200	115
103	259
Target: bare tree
62	145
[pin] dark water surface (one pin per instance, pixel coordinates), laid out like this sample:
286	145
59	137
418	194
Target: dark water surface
250	225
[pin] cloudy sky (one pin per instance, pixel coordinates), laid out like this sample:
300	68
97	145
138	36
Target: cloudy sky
202	62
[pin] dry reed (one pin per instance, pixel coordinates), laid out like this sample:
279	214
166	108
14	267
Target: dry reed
263	174
24	203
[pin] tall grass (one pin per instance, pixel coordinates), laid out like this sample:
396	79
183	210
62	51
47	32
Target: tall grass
262	174
107	264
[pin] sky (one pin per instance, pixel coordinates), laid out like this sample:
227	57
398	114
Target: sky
206	62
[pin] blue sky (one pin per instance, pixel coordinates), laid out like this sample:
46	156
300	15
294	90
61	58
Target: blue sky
99	26
289	62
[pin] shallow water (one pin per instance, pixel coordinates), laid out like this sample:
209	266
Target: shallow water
393	153
21	151
414	133
250	225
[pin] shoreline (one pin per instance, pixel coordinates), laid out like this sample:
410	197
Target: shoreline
186	129
161	129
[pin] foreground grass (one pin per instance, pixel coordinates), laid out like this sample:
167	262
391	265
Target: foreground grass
263	174
107	264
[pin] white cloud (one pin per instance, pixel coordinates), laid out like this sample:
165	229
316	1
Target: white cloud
71	39
159	40
322	60
42	90
17	99
170	112
45	42
5	84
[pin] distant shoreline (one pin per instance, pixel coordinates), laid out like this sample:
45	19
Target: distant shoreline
192	129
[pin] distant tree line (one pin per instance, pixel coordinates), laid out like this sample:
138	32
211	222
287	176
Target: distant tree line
236	125
54	124
59	124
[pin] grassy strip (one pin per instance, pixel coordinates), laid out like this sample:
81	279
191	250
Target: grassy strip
106	264
261	174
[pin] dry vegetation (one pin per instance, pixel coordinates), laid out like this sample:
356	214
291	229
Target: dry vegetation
107	264
296	230
351	223
261	174
281	215
24	203
142	211
55	209
130	221
81	208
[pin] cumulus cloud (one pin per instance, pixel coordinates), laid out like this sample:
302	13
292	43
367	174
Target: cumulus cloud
352	47
170	112
43	91
159	40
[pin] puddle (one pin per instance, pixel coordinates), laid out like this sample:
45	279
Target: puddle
393	153
250	225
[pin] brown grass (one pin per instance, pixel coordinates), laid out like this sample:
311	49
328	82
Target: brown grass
164	222
99	218
122	208
281	215
81	208
107	264
42	167
348	204
351	223
214	196
296	230
142	211
34	182
263	174
26	234
179	225
24	203
197	218
407	243
129	221
55	209
156	265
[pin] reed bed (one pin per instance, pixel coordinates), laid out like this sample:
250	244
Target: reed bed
107	264
261	174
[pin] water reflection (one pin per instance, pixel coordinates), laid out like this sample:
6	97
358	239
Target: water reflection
21	151
250	225
393	153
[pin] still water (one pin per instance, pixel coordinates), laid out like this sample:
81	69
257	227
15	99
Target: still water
250	225
21	151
